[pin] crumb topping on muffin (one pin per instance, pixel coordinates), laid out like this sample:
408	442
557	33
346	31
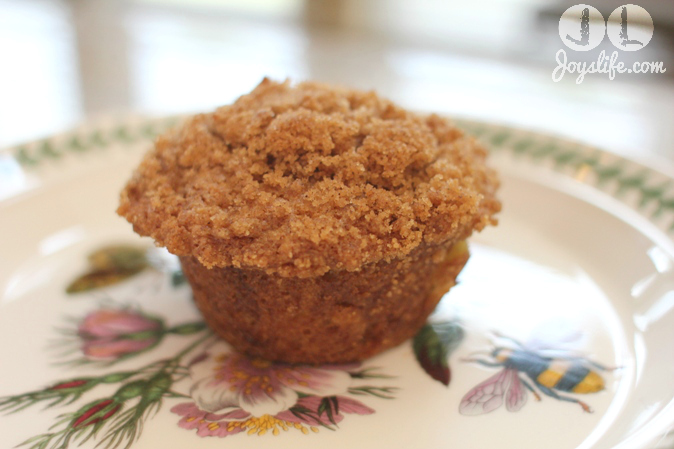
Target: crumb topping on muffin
300	180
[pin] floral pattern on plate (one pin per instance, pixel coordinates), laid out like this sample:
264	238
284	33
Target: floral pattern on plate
228	392
253	395
234	394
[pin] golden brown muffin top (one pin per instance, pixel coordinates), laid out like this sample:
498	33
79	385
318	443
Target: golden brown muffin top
300	180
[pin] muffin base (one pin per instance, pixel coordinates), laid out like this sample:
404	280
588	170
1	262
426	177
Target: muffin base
338	317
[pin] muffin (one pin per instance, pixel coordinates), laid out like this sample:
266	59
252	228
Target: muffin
315	224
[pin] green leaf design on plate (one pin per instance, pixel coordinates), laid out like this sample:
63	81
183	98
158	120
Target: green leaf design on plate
34	154
98	279
178	278
119	257
110	265
612	175
330	407
433	345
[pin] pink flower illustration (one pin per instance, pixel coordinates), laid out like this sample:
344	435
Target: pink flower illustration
257	396
109	334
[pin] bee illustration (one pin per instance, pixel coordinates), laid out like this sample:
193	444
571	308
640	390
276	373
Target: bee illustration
551	375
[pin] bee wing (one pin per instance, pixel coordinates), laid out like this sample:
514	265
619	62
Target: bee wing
558	335
562	354
488	395
516	396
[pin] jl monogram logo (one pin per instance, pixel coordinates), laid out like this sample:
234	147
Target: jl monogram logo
582	27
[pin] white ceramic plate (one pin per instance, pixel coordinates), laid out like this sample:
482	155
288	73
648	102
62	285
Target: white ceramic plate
569	300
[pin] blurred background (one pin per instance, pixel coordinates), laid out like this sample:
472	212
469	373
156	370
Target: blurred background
65	62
